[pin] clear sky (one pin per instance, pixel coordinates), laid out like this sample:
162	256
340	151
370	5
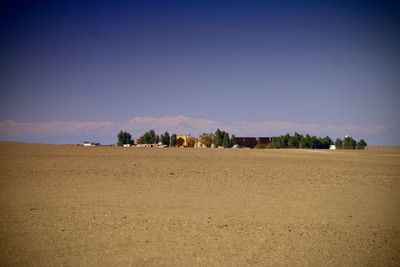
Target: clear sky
84	69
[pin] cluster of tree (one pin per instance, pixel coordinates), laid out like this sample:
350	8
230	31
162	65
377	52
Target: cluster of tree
217	139
349	143
300	141
149	137
221	138
124	138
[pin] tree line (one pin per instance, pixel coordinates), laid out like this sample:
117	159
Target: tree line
217	139
224	139
300	141
349	143
149	137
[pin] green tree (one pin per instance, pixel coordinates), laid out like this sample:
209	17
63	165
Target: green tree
165	138
314	142
277	142
361	144
173	140
221	138
124	138
226	142
148	137
120	138
294	141
297	138
338	143
305	142
218	137
286	139
349	143
325	142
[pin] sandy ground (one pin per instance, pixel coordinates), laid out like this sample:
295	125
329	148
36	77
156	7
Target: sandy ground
80	206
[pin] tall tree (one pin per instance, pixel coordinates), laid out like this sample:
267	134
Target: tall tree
338	143
361	144
226	142
165	138
173	140
296	139
148	137
326	142
305	142
349	143
124	138
218	138
314	142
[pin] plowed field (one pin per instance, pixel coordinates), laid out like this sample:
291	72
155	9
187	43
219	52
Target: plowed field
70	205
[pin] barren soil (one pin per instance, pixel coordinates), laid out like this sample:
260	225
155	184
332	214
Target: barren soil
90	206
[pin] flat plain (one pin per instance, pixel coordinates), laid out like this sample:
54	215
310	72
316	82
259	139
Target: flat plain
90	206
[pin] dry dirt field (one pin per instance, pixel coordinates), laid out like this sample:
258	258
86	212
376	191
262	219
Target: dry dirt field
90	206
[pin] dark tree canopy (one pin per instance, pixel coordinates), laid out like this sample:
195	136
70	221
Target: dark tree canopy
149	137
299	141
124	138
173	140
349	143
361	144
222	139
165	139
338	143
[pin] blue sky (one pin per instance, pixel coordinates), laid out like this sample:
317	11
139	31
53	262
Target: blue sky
253	67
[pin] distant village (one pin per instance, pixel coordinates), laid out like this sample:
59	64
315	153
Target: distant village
222	139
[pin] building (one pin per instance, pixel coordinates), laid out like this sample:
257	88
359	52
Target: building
184	140
199	144
88	143
149	145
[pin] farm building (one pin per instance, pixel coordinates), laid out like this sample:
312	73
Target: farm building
184	140
149	145
88	143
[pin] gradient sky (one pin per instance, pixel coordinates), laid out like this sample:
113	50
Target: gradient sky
322	64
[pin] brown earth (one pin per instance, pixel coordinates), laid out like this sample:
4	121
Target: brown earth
69	205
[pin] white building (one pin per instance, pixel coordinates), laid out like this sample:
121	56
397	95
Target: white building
87	143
